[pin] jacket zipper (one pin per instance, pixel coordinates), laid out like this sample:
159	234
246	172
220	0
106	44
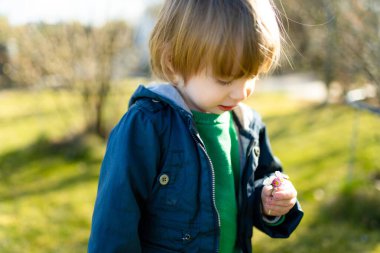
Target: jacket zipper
213	180
245	154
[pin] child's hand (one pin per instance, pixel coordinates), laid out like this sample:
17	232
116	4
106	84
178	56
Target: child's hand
279	200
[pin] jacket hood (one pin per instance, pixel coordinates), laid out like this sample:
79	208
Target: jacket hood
161	92
170	94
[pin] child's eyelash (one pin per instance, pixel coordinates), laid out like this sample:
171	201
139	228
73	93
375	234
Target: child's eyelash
224	82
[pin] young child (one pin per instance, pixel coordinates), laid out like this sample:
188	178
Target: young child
185	167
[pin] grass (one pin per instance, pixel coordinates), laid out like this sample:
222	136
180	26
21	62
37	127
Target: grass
342	208
48	172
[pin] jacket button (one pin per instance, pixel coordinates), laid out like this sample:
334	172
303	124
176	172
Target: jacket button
186	237
256	150
164	179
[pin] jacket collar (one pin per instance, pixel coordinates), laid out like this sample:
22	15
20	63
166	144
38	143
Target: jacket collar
161	92
170	94
244	117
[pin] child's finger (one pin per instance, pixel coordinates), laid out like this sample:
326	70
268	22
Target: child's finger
284	194
286	191
284	203
275	210
267	191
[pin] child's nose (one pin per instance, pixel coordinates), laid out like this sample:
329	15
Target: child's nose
243	90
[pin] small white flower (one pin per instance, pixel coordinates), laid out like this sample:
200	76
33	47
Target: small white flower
275	181
269	180
281	175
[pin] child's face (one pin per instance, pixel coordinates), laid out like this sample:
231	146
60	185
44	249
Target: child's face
205	93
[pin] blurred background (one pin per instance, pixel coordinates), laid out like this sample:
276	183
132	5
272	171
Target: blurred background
68	68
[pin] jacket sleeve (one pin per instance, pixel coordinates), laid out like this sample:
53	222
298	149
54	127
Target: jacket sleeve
267	165
126	178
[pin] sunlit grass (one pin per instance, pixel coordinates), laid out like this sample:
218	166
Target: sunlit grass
47	193
49	171
25	116
315	146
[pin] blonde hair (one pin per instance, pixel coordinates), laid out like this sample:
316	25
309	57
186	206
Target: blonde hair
232	38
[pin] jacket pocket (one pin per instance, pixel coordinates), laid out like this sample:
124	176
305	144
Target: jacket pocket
170	182
158	235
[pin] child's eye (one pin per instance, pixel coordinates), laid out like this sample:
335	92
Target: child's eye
222	82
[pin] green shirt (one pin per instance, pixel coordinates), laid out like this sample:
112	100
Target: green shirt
220	138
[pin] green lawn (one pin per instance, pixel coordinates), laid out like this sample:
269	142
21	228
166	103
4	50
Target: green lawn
48	172
315	146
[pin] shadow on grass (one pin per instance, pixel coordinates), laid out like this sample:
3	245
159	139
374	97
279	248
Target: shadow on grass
306	120
350	221
44	161
357	204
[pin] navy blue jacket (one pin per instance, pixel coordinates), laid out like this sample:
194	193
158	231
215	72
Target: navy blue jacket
156	187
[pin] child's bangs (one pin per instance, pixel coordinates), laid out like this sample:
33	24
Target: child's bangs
243	43
241	52
234	59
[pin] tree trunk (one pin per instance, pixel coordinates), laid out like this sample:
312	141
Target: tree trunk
99	109
331	44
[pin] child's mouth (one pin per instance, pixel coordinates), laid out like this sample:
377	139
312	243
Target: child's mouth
226	108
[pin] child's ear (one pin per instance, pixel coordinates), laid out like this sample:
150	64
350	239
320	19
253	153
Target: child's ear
177	79
171	72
